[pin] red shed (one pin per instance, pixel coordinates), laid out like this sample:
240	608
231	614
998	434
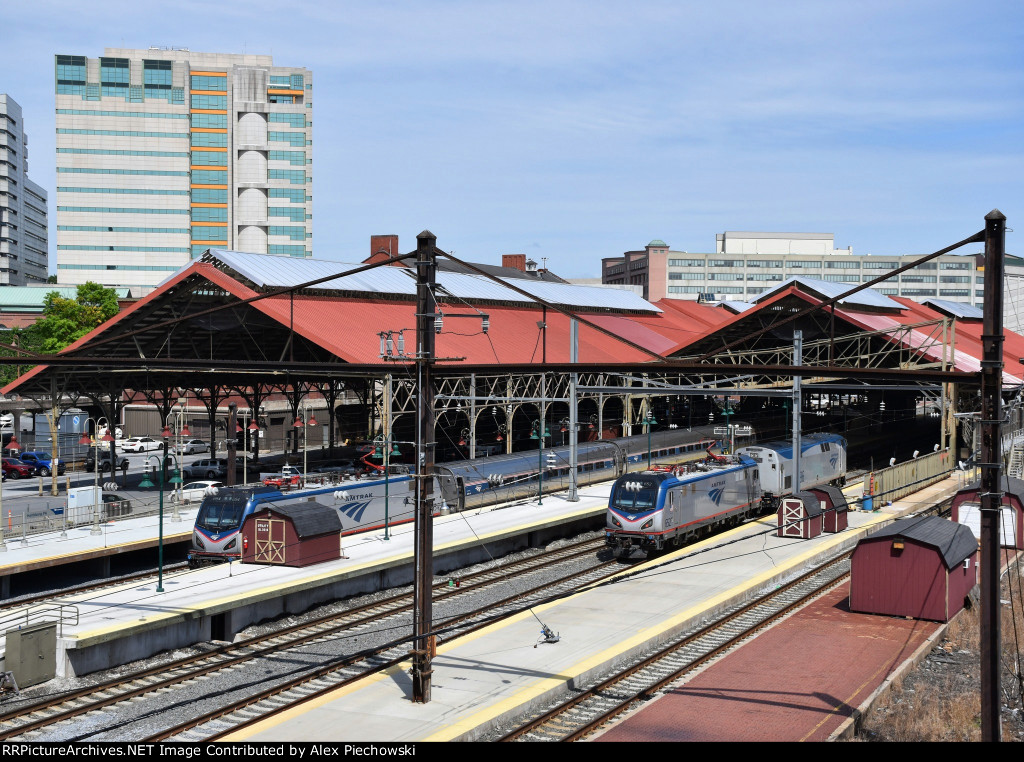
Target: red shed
920	567
833	502
299	534
967	511
800	515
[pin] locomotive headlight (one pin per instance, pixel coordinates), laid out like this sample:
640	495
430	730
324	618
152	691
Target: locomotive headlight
616	522
231	544
198	542
647	524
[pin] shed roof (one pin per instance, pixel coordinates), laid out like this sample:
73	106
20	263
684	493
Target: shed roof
812	504
835	495
1011	485
309	519
955	542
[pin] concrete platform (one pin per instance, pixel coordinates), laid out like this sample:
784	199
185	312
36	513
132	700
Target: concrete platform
120	624
501	671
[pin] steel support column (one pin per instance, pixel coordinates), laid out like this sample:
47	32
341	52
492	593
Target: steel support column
991	468
426	307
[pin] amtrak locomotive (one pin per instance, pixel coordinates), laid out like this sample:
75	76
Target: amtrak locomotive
670	505
363	504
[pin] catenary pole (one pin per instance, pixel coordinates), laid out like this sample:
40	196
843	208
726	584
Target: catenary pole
991	468
426	309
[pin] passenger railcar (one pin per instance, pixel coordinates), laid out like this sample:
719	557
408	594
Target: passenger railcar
822	461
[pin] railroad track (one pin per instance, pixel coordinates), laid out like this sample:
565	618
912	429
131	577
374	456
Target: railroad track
27	721
592	707
588	709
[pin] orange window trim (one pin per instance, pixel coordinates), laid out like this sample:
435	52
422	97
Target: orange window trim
197	73
273	91
211	187
208	243
217	167
207	92
208	224
207	148
221	130
207	111
215	206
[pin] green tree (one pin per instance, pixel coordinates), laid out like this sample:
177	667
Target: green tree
67	320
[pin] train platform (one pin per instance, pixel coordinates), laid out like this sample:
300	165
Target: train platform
500	672
118	624
51	552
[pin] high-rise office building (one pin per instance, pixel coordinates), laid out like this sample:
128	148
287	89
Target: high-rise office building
23	234
164	153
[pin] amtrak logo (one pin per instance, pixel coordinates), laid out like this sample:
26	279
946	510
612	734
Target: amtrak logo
716	495
833	460
354	510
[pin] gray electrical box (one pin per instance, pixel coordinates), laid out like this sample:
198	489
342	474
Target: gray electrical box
32	653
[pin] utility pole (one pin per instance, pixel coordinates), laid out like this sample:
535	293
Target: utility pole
991	467
798	359
231	437
423	529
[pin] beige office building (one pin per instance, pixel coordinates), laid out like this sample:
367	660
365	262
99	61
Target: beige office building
164	153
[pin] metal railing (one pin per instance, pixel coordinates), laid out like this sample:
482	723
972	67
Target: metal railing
892	483
51	611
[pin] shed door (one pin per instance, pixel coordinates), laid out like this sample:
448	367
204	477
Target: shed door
793	511
270	541
970	516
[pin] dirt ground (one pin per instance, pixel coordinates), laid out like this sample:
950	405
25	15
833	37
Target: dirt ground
941	699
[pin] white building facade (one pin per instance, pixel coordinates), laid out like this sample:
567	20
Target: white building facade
165	153
748	263
24	251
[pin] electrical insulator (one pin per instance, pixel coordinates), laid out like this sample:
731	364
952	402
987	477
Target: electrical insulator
382	344
485	324
401	344
438	322
881	405
552	459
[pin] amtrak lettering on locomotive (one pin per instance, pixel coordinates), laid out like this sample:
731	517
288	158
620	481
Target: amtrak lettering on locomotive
672	505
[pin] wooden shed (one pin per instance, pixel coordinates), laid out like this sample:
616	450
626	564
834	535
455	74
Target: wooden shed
299	534
833	503
800	515
966	510
922	568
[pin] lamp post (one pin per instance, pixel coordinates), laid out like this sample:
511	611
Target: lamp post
648	421
147	482
87	440
303	422
539	432
181	430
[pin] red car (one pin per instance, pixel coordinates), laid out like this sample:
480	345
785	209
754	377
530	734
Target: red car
15	469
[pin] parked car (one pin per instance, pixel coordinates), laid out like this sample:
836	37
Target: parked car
104	466
194	492
211	468
42	462
15	469
193	446
140	444
115	505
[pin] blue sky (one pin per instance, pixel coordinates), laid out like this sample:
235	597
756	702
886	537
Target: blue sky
573	131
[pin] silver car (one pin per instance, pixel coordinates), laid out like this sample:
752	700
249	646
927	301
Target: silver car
193	446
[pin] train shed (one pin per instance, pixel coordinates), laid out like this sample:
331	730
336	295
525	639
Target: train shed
966	510
922	568
292	535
